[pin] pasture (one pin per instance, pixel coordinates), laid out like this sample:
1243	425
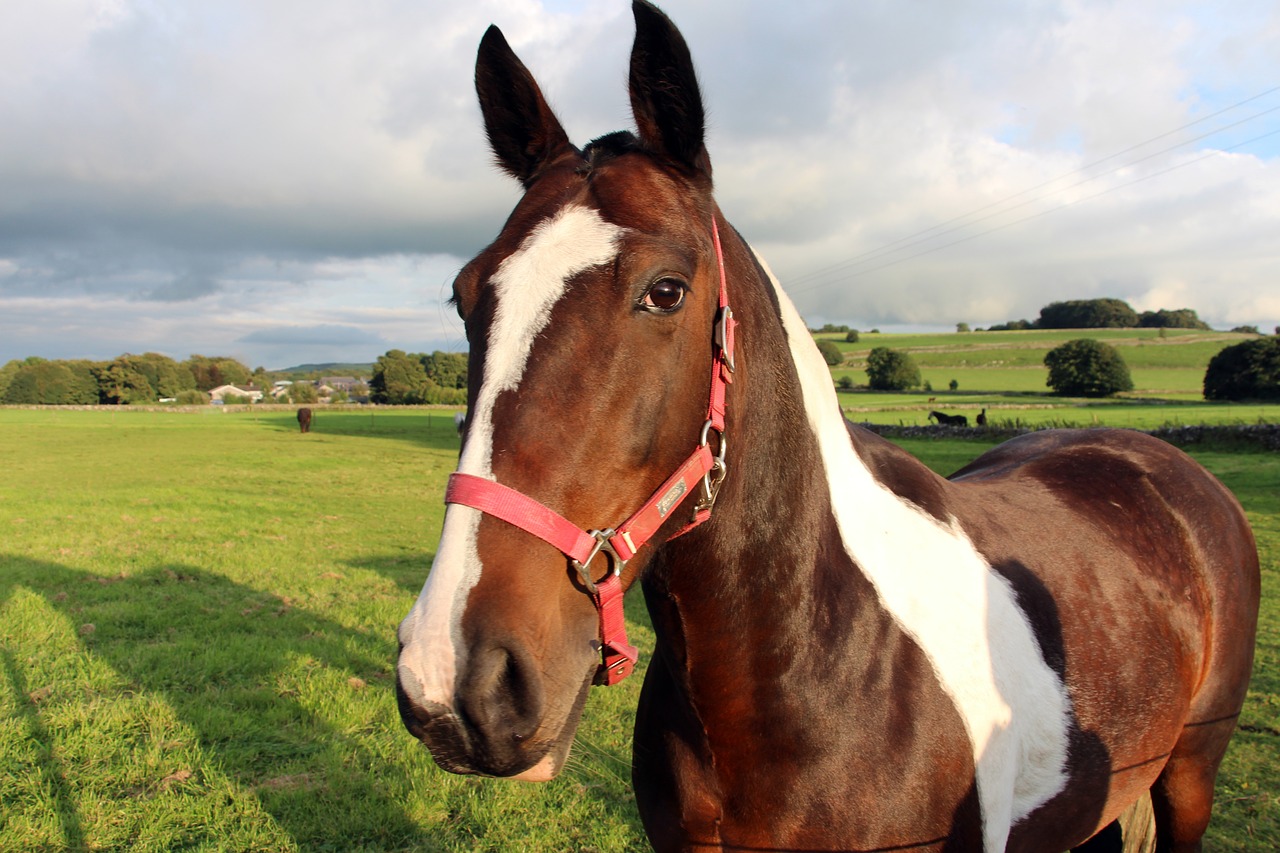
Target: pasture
1168	366
197	632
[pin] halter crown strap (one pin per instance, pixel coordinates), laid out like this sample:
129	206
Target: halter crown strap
618	657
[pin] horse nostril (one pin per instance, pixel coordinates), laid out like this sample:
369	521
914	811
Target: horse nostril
503	699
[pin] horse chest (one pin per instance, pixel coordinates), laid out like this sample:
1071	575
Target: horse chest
805	743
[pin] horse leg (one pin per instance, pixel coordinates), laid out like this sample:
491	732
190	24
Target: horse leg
1182	797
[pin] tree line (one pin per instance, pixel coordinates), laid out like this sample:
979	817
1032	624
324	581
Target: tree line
1106	313
401	378
126	380
398	378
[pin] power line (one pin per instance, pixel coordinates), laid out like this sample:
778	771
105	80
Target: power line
957	223
929	251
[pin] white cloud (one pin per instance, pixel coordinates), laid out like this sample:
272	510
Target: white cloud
203	172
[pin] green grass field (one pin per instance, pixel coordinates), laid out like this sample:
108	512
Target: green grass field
1172	366
197	633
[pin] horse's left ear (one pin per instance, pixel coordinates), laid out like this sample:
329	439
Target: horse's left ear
665	98
523	131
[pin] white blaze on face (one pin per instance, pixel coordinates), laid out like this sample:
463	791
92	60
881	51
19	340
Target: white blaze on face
526	287
961	612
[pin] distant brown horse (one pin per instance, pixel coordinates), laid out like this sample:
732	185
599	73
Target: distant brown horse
304	419
851	652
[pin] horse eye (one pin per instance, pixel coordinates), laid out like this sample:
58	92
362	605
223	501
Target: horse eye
666	294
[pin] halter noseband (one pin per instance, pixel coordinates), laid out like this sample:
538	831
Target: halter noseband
620	544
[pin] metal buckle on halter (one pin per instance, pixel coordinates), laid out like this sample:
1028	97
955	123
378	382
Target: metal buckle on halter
602	538
713	479
721	335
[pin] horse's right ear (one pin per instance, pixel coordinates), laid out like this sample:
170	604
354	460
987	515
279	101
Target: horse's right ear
523	131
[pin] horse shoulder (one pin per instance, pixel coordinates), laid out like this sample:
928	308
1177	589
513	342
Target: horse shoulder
901	473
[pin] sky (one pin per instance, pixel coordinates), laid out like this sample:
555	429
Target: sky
287	182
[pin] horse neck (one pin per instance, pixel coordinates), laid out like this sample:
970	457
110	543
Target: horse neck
772	556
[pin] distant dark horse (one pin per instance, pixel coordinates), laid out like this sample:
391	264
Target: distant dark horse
944	419
982	418
851	652
304	419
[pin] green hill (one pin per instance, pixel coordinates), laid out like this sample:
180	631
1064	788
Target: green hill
330	368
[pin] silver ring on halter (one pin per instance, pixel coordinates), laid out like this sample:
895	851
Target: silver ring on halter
602	544
713	479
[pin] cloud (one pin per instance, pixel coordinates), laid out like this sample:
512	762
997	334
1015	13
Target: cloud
225	169
322	335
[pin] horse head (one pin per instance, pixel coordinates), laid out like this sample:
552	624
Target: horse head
590	321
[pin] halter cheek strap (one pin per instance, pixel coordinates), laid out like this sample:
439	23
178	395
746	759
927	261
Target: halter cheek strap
620	544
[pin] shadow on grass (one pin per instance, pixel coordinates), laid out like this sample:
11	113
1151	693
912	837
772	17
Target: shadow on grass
232	663
265	688
601	756
52	775
406	571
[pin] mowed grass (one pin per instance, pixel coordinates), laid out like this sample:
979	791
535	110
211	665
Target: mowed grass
197	632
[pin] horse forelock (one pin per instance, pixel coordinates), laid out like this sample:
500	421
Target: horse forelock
526	286
964	615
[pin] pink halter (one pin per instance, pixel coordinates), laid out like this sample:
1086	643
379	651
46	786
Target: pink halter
620	544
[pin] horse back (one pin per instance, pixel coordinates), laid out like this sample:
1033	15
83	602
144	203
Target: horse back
1139	573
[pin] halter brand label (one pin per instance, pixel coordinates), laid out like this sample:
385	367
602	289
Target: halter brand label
671	498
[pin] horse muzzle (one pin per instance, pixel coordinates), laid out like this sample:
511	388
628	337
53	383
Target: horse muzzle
496	725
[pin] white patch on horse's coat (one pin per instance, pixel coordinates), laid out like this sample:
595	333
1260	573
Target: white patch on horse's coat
963	614
526	286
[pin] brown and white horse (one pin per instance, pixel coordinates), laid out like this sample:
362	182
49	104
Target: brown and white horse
852	653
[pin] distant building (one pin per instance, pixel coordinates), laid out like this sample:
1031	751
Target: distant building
341	383
219	394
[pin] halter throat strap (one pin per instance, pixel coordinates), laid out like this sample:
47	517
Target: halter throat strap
702	471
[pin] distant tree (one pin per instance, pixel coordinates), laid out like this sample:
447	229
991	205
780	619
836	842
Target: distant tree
891	370
851	336
962	327
86	391
1182	318
303	392
192	398
49	383
211	372
845	383
830	353
122	383
954	385
1088	314
1246	330
1249	370
446	369
1087	368
1012	326
7	373
399	379
166	377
